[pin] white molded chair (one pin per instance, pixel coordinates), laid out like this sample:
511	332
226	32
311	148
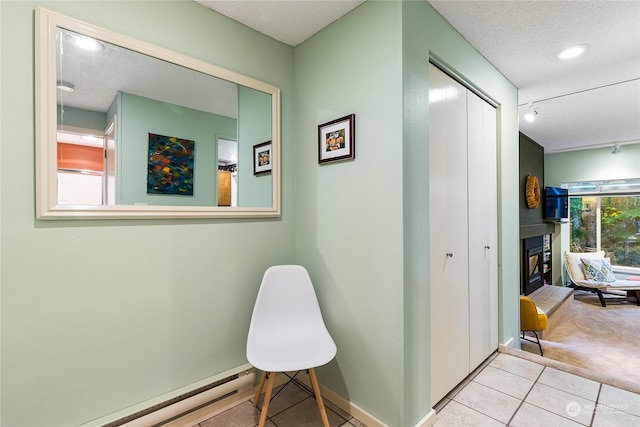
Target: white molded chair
287	332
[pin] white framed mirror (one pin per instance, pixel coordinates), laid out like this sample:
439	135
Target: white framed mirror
133	130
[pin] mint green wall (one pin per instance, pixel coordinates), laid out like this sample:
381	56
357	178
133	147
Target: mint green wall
254	124
118	312
139	116
592	165
361	226
82	118
586	165
426	34
100	315
349	214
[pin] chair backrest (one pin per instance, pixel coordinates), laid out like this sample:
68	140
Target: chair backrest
574	266
287	314
286	295
529	316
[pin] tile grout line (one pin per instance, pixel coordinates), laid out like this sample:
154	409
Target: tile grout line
562	416
526	395
568	392
595	407
475	410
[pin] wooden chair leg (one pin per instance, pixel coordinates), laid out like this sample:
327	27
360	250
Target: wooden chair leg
316	390
260	386
267	398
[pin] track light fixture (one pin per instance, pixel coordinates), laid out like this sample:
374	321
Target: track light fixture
530	116
616	149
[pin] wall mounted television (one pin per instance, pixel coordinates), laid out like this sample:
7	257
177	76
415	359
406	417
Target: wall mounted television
556	204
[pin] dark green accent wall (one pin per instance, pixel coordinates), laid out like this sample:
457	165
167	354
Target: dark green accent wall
532	163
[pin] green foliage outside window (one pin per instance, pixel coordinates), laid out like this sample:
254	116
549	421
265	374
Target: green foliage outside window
619	227
620	234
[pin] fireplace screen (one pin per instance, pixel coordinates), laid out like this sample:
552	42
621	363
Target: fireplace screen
534	265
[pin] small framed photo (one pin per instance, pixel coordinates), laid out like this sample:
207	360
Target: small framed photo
262	158
337	139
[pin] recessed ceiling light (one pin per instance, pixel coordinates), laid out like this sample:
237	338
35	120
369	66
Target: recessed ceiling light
65	86
85	43
572	51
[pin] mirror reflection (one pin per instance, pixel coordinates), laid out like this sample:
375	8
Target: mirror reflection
141	131
125	120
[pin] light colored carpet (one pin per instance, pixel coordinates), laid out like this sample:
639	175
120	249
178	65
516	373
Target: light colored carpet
601	343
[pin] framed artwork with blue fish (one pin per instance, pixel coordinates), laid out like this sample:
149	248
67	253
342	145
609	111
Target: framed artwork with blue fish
170	169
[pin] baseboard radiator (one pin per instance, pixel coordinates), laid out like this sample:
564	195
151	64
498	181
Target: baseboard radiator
170	410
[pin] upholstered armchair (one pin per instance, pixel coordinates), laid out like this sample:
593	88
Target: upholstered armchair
532	319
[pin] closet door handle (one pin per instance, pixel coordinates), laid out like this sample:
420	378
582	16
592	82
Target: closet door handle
487	247
449	254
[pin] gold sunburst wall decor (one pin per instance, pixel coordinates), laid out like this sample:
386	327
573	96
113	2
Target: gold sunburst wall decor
532	192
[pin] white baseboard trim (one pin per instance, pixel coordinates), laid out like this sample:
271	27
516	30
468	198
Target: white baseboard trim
347	406
328	395
428	420
167	411
196	417
502	348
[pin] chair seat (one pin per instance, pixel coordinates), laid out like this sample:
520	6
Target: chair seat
281	353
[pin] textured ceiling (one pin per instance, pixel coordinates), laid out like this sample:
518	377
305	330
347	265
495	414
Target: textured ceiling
288	21
520	37
587	102
591	101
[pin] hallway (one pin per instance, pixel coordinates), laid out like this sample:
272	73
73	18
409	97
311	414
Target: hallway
505	390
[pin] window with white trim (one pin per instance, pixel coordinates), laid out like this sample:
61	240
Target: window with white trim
605	215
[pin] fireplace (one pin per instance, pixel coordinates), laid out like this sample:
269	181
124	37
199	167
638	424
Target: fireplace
532	264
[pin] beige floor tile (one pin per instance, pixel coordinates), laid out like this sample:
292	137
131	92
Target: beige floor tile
561	403
488	401
621	400
532	416
457	415
306	414
506	382
243	415
515	365
356	423
457	388
289	396
606	417
481	367
570	383
335	408
493	398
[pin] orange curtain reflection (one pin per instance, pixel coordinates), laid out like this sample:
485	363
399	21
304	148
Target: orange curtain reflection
73	156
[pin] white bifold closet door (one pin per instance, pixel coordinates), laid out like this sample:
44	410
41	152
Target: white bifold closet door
463	227
483	229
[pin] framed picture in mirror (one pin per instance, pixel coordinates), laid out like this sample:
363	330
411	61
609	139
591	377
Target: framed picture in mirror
262	156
